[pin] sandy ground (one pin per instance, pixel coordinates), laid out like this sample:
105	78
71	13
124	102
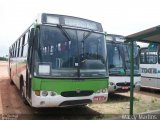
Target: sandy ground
11	104
3	70
3	75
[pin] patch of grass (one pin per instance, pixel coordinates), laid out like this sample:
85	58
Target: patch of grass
153	100
139	98
120	104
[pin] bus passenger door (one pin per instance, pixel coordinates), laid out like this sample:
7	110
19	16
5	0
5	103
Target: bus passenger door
30	65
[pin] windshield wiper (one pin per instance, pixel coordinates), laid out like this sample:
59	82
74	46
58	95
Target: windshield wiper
85	37
64	32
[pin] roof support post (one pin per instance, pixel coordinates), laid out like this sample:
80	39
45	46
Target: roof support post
132	76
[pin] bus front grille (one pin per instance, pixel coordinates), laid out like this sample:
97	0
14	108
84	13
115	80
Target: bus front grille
76	102
76	93
123	84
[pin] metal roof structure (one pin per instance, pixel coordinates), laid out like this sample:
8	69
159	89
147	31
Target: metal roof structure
151	35
148	35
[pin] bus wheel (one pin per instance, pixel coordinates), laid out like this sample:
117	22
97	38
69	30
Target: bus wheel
11	82
22	92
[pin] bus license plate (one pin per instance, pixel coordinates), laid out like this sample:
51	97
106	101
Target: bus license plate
99	98
125	87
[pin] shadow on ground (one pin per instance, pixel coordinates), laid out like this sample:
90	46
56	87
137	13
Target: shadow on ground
119	98
14	108
153	91
68	113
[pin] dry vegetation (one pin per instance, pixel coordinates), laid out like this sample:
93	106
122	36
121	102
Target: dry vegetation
120	104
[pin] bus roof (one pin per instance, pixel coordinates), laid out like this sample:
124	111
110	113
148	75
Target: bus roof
148	35
115	38
46	18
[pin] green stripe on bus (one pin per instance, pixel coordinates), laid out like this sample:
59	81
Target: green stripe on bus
59	85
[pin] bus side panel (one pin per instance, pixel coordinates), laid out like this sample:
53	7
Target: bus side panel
21	70
13	69
158	83
149	75
148	82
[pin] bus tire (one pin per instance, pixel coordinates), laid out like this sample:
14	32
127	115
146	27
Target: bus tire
11	82
22	92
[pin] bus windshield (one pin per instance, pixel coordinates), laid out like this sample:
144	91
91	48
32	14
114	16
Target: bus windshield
71	52
119	59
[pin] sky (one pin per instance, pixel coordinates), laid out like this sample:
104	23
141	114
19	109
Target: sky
122	17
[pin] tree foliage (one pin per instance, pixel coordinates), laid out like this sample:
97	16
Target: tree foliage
3	59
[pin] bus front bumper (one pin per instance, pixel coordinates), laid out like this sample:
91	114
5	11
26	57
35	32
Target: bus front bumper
60	101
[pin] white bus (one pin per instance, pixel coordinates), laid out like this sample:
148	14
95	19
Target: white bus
119	64
150	67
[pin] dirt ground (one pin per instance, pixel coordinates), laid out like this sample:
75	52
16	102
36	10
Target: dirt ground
11	105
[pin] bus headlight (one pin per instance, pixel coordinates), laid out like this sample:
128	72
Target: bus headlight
37	92
44	93
105	90
98	91
112	83
52	93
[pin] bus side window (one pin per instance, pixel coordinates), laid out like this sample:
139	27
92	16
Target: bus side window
25	48
142	56
18	48
151	57
15	49
23	40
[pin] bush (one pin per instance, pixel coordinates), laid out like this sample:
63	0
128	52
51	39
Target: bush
3	59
